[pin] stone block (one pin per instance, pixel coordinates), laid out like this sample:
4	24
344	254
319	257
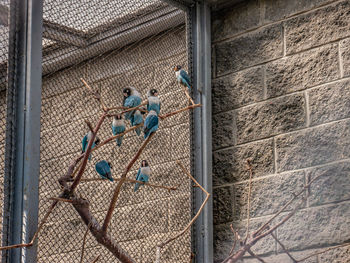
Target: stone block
316	227
313	146
319	27
268	195
223	205
333	185
270	118
302	71
338	255
279	9
229	165
238	89
345	56
329	103
224	130
231	22
248	50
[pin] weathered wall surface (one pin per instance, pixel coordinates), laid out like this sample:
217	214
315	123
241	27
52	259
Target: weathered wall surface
281	88
144	218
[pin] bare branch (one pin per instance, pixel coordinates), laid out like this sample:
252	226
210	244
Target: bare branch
120	183
323	251
159	246
283	248
61	199
84	239
96	259
179	111
256	256
97	96
248	202
187	95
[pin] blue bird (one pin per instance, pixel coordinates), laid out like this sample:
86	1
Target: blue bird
143	174
132	98
85	142
104	170
118	127
153	101
136	120
182	77
151	123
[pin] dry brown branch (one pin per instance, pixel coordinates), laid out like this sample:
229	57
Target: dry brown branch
284	248
295	196
82	207
161	245
89	125
179	111
120	183
97	96
96	259
236	238
323	251
36	234
255	256
135	108
132	181
187	95
248	202
84	240
61	199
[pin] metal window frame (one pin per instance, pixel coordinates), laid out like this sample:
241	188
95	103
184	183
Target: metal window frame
22	157
23	115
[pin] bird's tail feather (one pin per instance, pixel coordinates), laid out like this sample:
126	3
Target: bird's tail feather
137	185
119	141
138	131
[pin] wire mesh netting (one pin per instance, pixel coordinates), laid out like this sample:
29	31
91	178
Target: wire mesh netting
113	45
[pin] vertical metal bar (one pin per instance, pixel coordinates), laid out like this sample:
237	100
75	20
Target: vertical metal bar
202	131
21	211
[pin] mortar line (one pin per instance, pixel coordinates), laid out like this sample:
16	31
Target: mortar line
305	169
304	12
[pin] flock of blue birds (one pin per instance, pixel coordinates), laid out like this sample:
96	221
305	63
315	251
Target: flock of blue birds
132	99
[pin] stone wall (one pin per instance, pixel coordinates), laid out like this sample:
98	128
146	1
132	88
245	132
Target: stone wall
281	88
144	218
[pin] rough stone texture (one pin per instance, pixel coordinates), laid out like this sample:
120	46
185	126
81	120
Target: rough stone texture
239	89
302	71
222	205
279	9
333	185
313	146
338	255
319	27
270	118
345	55
224	128
268	195
315	227
229	165
233	21
329	103
248	50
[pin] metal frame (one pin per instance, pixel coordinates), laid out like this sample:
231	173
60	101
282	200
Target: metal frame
23	135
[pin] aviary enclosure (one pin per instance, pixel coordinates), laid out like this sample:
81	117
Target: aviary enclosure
92	50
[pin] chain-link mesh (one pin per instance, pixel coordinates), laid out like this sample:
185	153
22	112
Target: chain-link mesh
113	45
4	46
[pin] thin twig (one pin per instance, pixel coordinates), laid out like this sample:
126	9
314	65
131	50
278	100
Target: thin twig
323	251
97	96
197	214
256	256
120	183
283	248
134	108
248	202
132	181
96	259
236	238
61	199
179	111
89	125
84	240
187	95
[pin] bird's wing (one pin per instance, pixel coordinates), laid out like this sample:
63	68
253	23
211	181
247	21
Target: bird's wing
137	119
184	75
114	130
120	129
99	169
138	175
150	122
132	101
84	143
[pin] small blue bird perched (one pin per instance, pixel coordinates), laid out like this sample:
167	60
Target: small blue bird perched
151	123
103	168
137	119
118	127
143	174
182	77
153	101
132	98
85	142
